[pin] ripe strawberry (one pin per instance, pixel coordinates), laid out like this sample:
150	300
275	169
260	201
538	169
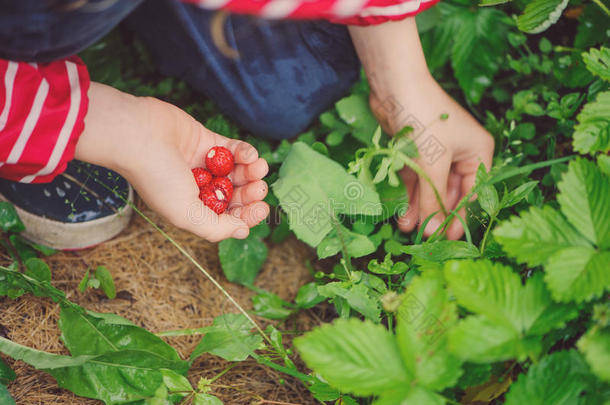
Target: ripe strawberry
202	176
223	184
219	161
214	199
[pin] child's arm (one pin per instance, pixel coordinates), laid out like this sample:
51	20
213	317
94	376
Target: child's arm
154	145
404	93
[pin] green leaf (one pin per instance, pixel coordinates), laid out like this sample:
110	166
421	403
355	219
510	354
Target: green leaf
84	282
585	200
595	346
38	269
410	396
308	296
394	200
270	306
106	281
578	274
9	220
6	373
488	199
515	196
230	339
206	399
115	377
242	259
88	334
424	317
592	133
598	62
474	374
540	386
357	245
540	15
11	280
322	391
476	55
176	382
591	28
313	189
24	250
506	311
496	292
479	340
355	111
357	296
5	396
537	234
387	266
354	356
443	250
492	2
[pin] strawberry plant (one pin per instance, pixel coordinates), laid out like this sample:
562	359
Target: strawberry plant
517	312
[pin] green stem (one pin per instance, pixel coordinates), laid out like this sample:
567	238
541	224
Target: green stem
184	332
602	6
223	372
348	262
418	170
204	271
484	241
289	371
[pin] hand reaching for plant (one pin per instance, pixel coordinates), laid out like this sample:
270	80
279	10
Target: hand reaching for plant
450	151
403	92
155	145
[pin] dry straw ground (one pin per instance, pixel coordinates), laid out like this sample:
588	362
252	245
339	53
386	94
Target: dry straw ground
160	290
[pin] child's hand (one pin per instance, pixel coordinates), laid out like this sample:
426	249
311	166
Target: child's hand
155	145
404	92
450	152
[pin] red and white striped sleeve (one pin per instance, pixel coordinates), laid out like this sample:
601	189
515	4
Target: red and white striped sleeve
42	111
353	12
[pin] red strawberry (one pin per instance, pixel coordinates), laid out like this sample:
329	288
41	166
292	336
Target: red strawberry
223	184
214	199
219	161
202	177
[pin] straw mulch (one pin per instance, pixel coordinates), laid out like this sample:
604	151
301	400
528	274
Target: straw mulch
159	290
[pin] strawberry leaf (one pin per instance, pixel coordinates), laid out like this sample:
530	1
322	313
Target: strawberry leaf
595	345
592	133
424	318
540	15
354	356
585	201
539	386
509	316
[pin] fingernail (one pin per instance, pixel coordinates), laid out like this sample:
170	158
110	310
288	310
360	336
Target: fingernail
432	226
241	233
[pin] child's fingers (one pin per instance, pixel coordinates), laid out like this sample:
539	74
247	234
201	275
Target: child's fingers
205	223
428	202
243	174
453	190
243	152
253	213
456	230
249	193
408	221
